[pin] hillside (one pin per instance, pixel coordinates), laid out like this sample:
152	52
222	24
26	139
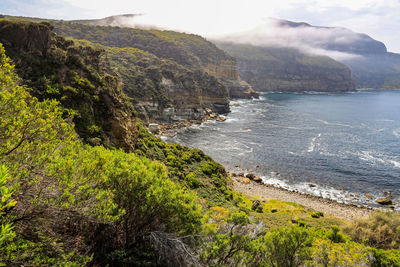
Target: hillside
165	94
83	183
371	65
288	69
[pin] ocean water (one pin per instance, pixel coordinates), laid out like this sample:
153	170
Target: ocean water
338	146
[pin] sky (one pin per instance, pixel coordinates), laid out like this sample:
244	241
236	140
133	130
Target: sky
378	18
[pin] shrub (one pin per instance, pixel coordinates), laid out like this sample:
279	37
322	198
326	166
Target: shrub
328	253
317	214
380	230
381	258
287	246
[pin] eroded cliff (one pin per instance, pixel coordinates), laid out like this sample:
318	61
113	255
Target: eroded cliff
77	76
289	70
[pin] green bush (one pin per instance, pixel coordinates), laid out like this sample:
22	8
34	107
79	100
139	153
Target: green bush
317	214
379	230
381	258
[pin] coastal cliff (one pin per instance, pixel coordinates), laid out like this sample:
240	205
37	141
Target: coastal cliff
227	72
77	76
371	65
288	70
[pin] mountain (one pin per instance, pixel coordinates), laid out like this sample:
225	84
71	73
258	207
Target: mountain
371	64
168	75
288	69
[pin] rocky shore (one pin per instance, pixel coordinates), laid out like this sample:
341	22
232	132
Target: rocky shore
169	129
252	185
266	192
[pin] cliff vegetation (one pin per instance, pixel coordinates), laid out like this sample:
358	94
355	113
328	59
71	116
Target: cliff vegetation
69	197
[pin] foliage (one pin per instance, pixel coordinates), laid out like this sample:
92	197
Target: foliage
382	257
185	49
328	253
287	246
279	56
74	75
65	186
380	230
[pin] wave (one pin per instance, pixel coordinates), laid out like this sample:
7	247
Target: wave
313	143
324	191
396	132
374	157
335	123
242	131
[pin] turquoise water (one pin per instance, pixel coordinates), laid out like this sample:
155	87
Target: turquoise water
346	145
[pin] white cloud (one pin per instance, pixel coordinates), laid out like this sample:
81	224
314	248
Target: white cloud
378	18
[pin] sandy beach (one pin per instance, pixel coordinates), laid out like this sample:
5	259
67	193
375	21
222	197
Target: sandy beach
333	208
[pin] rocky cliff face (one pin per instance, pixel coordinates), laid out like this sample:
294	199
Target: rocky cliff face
268	76
227	72
76	76
188	50
32	38
288	70
372	66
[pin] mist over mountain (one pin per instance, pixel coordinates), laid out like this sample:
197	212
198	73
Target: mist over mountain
370	62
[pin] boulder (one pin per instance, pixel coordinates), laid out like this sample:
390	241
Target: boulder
250	176
246	180
154	128
221	118
369	196
257	179
208	111
257	205
384	201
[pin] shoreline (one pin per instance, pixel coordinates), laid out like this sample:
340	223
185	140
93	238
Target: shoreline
344	211
347	212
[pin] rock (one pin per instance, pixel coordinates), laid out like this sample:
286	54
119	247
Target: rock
257	179
369	196
208	111
241	174
294	220
312	185
384	201
274	210
221	118
237	166
257	166
257	206
250	176
233	174
246	180
153	128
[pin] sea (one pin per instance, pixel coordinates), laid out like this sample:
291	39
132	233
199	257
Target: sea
345	147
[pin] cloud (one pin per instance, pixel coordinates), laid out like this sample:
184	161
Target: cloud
378	18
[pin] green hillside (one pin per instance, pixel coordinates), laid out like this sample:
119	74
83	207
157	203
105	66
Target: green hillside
83	183
288	69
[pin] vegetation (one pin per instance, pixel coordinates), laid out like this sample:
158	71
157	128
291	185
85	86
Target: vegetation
73	75
185	49
381	230
144	77
278	55
67	200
